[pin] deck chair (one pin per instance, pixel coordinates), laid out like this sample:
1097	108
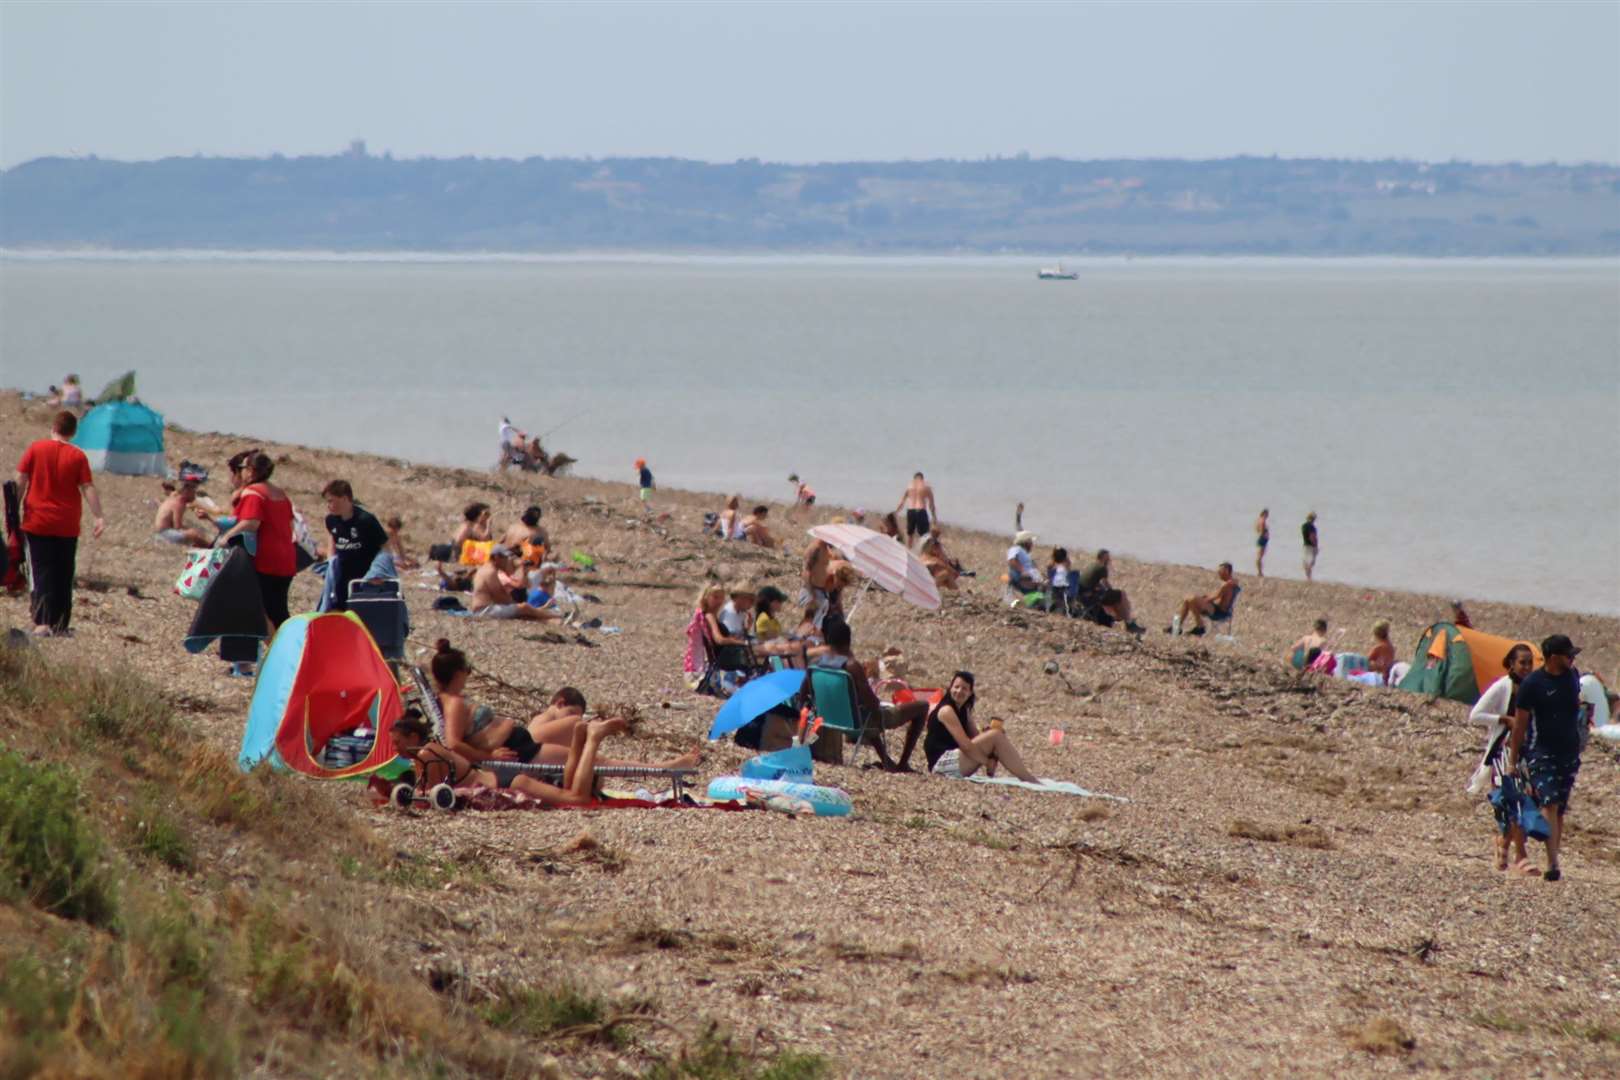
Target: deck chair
1229	617
678	779
832	693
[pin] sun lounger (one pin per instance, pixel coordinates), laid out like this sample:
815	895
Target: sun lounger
429	703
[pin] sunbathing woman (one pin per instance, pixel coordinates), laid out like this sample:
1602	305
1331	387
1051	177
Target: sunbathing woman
955	747
479	736
440	764
938	564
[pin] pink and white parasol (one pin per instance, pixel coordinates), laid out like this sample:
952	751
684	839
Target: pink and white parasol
884	560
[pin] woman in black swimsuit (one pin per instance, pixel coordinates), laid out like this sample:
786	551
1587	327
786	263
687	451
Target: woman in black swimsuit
955	747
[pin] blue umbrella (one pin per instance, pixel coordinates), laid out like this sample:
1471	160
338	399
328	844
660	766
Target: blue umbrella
755	697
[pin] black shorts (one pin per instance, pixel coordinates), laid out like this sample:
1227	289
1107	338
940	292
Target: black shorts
916	523
523	744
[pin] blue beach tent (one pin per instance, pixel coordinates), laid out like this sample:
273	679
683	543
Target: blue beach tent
123	437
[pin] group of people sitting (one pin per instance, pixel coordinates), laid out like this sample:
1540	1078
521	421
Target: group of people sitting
1088	594
734	633
732	524
510	577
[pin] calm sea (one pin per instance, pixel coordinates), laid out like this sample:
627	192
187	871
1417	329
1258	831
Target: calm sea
1455	425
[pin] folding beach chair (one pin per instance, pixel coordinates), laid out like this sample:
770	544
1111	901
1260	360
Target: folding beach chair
832	694
1229	617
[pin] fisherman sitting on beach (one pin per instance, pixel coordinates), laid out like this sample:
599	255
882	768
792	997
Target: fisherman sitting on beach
170	524
498	590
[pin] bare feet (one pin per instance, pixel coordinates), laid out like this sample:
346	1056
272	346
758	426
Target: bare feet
689	760
607	725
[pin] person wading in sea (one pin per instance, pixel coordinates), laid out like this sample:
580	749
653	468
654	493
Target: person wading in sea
1307	533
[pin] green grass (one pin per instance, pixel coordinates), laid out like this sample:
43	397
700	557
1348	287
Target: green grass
158	836
715	1056
36	1005
542	1011
51	854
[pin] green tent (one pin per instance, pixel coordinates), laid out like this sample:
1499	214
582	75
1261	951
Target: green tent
120	389
1457	663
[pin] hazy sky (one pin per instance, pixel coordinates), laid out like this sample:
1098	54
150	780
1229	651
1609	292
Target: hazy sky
813	82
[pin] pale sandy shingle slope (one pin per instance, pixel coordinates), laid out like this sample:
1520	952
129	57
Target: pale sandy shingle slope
1297	859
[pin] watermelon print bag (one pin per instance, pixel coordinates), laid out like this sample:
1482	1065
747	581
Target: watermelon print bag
201	566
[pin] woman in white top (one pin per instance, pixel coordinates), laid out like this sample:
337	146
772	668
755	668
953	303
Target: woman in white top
1495	707
1057	577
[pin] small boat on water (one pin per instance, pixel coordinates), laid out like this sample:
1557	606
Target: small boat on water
1056	273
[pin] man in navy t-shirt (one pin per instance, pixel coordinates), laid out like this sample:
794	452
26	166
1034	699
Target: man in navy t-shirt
357	537
1546	734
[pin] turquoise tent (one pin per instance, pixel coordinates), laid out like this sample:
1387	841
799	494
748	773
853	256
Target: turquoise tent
123	437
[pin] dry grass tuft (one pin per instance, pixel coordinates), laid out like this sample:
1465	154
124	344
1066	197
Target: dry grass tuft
1381	1035
1306	836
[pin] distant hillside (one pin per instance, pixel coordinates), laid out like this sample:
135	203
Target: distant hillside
1234	206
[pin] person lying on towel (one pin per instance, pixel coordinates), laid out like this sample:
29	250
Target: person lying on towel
478	736
441	765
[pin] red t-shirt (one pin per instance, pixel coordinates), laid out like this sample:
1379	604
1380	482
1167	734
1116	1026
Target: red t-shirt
275	538
54	470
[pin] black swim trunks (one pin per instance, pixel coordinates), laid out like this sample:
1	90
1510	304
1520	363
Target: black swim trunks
523	744
1552	776
916	523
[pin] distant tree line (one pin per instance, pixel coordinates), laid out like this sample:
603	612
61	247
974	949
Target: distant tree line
1238	205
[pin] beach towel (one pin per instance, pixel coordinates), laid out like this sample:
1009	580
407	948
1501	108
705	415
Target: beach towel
498	799
1051	787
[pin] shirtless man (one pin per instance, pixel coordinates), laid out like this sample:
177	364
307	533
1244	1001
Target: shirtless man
492	596
918	503
1218	602
526	530
170	523
553	729
1310	645
754	529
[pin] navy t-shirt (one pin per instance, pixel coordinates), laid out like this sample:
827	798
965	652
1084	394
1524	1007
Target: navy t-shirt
646	477
356	541
1554	705
1307	533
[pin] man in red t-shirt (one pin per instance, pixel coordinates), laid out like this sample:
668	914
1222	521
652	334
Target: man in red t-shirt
51	477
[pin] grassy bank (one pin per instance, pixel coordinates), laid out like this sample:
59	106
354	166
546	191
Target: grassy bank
163	915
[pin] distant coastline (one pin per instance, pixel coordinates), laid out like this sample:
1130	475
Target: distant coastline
361	202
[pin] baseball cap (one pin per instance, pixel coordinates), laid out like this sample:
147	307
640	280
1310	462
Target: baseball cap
501	551
1559	645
